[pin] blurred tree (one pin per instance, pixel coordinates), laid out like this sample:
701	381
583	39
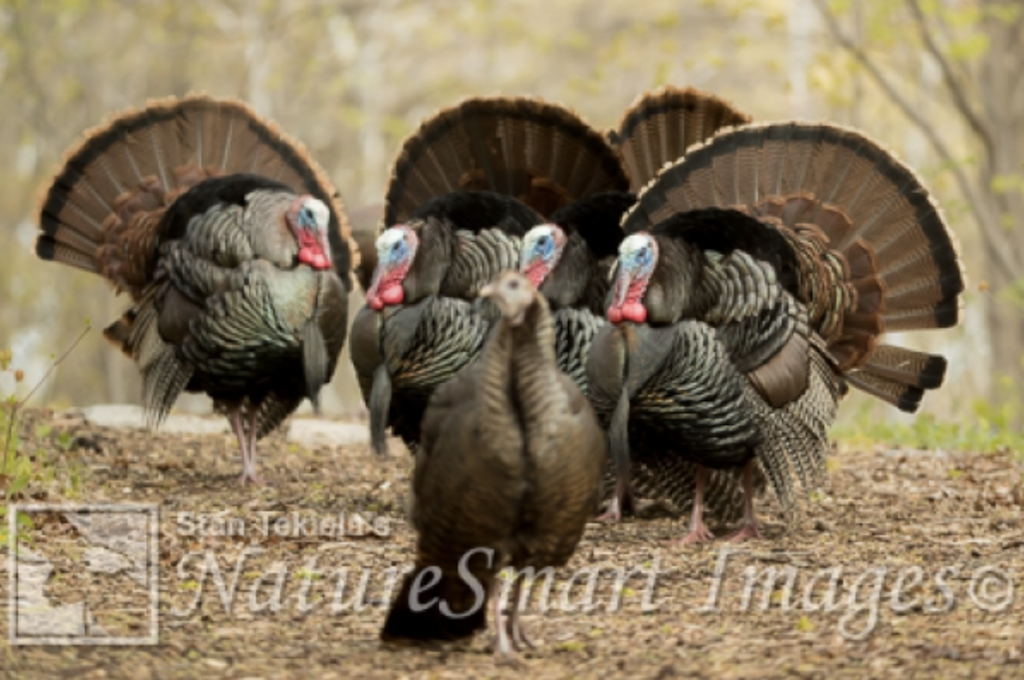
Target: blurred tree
352	78
973	122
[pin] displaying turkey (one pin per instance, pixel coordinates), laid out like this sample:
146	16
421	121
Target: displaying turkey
573	271
467	186
757	278
507	474
232	245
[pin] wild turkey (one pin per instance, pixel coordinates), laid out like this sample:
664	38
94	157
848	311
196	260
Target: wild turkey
507	474
465	189
232	245
758	275
656	129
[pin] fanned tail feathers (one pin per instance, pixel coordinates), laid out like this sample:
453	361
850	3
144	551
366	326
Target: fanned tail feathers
101	212
540	153
663	123
874	252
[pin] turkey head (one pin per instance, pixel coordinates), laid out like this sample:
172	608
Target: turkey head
308	219
561	257
513	293
396	252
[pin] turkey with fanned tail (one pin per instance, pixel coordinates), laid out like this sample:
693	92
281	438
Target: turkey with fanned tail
466	188
759	273
231	243
655	130
507	474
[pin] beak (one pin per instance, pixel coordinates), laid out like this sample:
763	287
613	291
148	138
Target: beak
487	291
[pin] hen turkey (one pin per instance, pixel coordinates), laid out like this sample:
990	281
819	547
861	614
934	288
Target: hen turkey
507	474
467	186
756	280
232	245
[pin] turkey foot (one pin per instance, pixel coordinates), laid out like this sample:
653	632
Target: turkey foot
746	532
248	477
622	503
699	532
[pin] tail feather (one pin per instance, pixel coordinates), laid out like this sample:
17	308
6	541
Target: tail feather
861	222
904	397
907	366
540	153
403	622
48	248
663	123
115	184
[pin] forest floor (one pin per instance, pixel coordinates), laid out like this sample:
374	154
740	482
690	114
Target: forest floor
921	550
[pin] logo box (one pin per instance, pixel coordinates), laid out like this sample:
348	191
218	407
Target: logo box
84	574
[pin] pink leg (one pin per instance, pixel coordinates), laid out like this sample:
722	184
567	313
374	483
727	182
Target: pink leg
502	647
622	502
699	532
235	418
250	470
749	528
515	627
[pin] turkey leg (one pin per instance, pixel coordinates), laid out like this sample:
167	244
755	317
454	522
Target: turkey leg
235	417
699	532
749	527
622	503
501	646
250	465
515	626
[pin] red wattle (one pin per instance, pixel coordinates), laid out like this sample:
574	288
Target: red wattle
314	257
635	312
392	295
614	314
376	303
536	271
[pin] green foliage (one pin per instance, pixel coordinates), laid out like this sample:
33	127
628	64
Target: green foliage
16	469
991	429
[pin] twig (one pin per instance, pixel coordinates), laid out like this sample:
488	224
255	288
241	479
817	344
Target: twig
952	84
17	407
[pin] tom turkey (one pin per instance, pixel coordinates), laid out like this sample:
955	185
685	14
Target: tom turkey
231	243
507	474
467	186
758	275
569	259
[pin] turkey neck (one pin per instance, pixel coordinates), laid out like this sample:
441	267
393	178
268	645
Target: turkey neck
498	405
534	369
678	288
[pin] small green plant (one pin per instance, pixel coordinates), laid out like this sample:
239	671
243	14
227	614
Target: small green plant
989	429
17	469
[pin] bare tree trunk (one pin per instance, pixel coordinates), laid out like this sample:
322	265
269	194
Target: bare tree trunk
1002	88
